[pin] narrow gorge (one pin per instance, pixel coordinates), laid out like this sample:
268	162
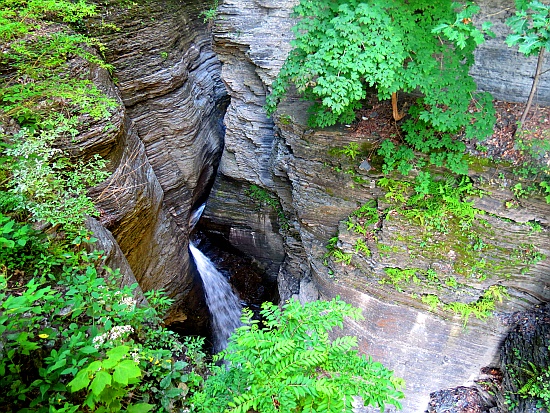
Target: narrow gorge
192	128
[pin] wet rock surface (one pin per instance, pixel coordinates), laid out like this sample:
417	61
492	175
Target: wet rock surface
246	277
460	400
238	221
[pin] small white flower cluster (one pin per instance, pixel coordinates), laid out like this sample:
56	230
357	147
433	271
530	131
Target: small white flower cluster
114	334
117	331
128	301
135	355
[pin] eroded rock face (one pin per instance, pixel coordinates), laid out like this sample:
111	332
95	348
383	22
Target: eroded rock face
524	357
168	142
430	347
110	139
235	217
252	41
400	328
503	71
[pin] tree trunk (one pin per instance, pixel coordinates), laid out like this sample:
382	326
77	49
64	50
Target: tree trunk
538	72
396	115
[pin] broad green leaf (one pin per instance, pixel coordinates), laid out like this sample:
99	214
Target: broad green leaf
126	370
80	381
530	45
88	350
174	392
101	379
140	408
118	352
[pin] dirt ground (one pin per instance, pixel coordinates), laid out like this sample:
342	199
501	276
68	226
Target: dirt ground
376	119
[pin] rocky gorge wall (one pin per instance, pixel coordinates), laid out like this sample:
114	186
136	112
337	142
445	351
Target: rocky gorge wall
163	144
503	71
429	346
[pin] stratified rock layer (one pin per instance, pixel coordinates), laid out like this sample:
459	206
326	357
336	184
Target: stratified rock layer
501	70
167	148
252	41
400	329
431	348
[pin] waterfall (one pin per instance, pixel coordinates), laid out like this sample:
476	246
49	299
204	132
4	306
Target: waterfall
223	303
195	216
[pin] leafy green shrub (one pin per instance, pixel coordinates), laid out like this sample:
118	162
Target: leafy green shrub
36	90
336	253
210	14
397	276
39	95
107	379
530	26
48	185
18	17
351	150
71	338
545	186
482	308
343	47
291	365
533	146
51	105
13	234
537	387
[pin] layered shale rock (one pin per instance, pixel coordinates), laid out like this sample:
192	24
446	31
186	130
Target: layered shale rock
503	71
252	41
393	267
405	328
166	141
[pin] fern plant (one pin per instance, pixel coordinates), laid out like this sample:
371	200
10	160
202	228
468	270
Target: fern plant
537	386
291	365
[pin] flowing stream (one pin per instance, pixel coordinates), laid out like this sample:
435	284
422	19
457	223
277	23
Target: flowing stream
223	303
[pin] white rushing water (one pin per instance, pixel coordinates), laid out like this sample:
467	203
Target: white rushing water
195	216
223	303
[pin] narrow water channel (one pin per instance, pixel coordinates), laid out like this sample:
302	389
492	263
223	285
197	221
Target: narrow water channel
223	303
